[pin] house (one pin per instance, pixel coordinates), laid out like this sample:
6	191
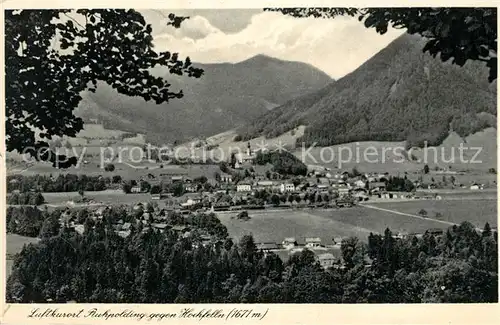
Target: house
376	187
326	260
359	183
435	231
243	187
176	178
267	247
191	188
190	202
123	233
289	242
337	241
226	178
266	184
476	186
135	189
80	229
342	202
361	196
287	187
343	191
180	229
156	196
160	226
312	242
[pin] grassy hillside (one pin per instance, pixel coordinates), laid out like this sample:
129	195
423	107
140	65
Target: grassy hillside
226	96
399	94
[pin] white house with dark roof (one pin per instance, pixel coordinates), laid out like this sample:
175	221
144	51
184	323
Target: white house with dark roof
326	260
244	187
312	242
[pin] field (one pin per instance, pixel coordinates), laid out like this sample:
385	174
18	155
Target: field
358	221
477	211
15	244
107	196
125	170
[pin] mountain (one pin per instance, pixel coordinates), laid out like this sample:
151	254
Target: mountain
399	94
226	96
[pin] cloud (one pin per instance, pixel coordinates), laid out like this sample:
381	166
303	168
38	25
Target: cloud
336	46
194	28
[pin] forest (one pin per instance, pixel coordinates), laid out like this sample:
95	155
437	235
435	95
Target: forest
150	266
61	183
283	162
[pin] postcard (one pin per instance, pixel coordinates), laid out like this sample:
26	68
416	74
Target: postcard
273	162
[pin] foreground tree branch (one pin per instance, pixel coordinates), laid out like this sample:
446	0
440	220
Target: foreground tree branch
459	34
51	58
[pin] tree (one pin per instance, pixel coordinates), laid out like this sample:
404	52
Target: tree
426	169
54	55
243	215
348	249
233	160
422	213
50	227
109	167
155	189
275	200
223	167
460	34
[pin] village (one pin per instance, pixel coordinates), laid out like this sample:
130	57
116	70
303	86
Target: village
176	200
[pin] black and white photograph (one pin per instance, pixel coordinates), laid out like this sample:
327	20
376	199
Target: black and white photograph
278	155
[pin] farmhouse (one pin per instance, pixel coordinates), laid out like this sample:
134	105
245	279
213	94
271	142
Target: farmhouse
226	178
476	186
326	260
359	183
313	242
267	247
287	187
289	242
135	189
176	178
377	187
243	187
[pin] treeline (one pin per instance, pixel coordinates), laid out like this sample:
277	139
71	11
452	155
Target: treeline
154	267
284	162
176	188
32	222
28	198
399	184
61	183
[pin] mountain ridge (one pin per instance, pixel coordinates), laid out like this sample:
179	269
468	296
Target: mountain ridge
399	94
226	96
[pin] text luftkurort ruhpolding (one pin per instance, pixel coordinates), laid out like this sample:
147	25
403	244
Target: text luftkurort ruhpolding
186	313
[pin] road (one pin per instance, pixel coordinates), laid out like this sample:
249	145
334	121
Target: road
409	215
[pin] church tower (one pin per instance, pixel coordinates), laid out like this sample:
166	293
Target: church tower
249	149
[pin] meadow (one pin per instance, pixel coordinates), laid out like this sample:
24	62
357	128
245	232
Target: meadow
14	245
274	226
126	170
107	196
476	211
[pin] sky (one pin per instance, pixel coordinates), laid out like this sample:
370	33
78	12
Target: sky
336	46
